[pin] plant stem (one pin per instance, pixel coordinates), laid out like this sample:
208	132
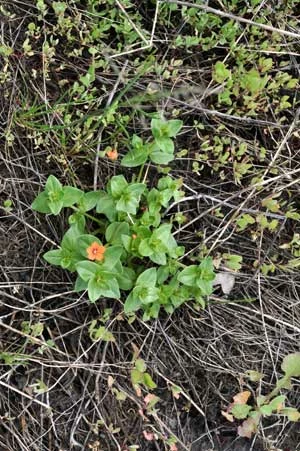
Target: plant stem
140	173
89	216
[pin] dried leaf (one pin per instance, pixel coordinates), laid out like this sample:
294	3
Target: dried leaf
148	398
228	416
136	351
242	397
226	280
138	390
176	391
247	428
149	436
292	413
254	376
110	381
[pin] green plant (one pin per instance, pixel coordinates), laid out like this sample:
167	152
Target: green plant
265	405
126	245
160	150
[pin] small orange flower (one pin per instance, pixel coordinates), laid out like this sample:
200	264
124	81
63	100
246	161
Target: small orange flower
95	252
134	236
112	154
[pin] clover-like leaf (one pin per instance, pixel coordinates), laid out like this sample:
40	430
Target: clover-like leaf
291	365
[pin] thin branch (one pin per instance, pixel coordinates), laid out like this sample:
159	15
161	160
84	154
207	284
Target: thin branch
236	18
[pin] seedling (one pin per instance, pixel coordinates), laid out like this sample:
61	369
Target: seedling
267	405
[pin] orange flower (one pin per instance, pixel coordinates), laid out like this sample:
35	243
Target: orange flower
112	154
134	236
95	252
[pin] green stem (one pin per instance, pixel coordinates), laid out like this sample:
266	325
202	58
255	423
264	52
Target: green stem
98	221
139	178
280	384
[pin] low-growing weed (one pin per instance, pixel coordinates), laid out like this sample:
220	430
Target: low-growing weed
265	405
126	244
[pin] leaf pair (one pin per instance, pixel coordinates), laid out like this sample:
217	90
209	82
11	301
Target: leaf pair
201	276
159	244
121	196
101	278
55	197
159	151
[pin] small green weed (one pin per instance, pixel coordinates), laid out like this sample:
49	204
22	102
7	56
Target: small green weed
267	405
126	244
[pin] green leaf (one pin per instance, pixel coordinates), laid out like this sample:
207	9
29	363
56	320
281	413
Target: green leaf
145	248
107	206
54	257
233	261
136	189
125	277
70	238
127	204
56	206
152	312
254	376
77	219
40	203
86	269
158	157
240	411
266	410
277	402
253	82
89	200
163	233
114	232
112	257
163	273
158	128
80	285
275	405
244	220
127	242
130	198
132	303
292	413
147	295
71	196
137	377
188	276
291	365
165	144
117	186
103	287
140	365
159	258
207	269
53	185
100	333
220	72
148	381
135	157
147	278
205	286
54	192
173	127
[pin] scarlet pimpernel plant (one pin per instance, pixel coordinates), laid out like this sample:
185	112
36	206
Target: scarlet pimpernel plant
119	243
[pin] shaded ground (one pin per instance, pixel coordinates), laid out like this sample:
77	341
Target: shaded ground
87	384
